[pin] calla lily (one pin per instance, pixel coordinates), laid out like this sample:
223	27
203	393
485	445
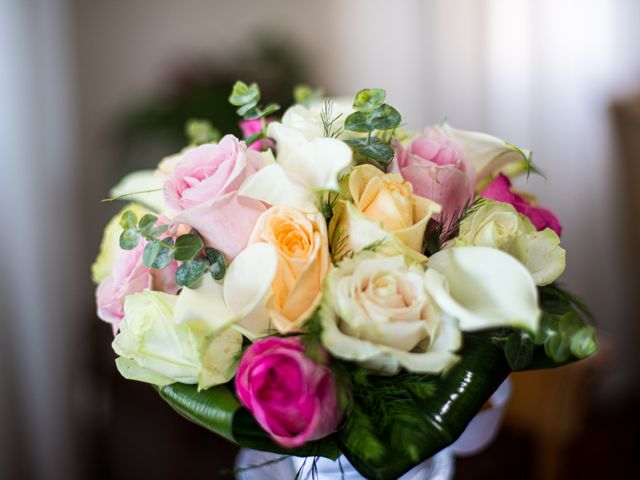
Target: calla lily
488	154
144	187
240	301
483	288
302	168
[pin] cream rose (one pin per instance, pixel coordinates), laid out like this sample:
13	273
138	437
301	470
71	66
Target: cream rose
154	348
385	210
300	241
377	312
499	225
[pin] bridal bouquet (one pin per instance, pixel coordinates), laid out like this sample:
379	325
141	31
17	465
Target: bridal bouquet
333	284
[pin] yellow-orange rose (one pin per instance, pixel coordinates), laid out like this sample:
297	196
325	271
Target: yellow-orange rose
385	210
300	240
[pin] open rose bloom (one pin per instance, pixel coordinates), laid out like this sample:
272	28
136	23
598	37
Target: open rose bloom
334	284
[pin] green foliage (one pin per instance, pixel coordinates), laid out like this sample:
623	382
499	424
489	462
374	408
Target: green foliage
217	262
369	99
129	239
518	350
305	95
188	247
373	117
244	96
329	119
247	98
190	272
158	253
200	132
146	223
128	220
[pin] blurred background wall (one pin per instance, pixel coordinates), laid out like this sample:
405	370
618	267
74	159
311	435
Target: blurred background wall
540	73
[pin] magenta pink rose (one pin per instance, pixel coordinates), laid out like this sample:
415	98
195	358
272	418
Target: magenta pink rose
500	190
437	168
251	127
293	398
202	191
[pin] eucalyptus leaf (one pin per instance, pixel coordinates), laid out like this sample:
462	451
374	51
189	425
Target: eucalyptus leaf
217	262
190	272
165	255
188	247
243	94
269	110
146	223
159	230
369	99
583	342
248	111
128	220
385	117
200	132
129	239
358	122
381	152
519	350
151	251
557	348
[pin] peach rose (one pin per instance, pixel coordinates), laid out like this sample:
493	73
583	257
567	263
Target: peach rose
300	241
384	210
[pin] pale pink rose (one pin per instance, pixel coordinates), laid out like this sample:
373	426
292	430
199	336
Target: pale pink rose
251	127
437	168
293	398
129	276
202	192
500	190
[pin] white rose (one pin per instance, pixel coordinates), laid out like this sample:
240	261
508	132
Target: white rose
154	348
308	119
377	312
499	225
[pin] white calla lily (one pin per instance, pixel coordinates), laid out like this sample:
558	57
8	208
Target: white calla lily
239	302
487	153
483	287
144	187
302	169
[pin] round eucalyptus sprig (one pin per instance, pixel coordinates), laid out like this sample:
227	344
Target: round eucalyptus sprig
159	252
372	115
247	98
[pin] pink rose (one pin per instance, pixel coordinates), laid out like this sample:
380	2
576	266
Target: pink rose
293	398
129	276
437	168
251	127
202	191
500	190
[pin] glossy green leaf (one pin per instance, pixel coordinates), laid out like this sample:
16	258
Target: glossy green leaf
269	110
583	343
457	397
378	151
212	409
